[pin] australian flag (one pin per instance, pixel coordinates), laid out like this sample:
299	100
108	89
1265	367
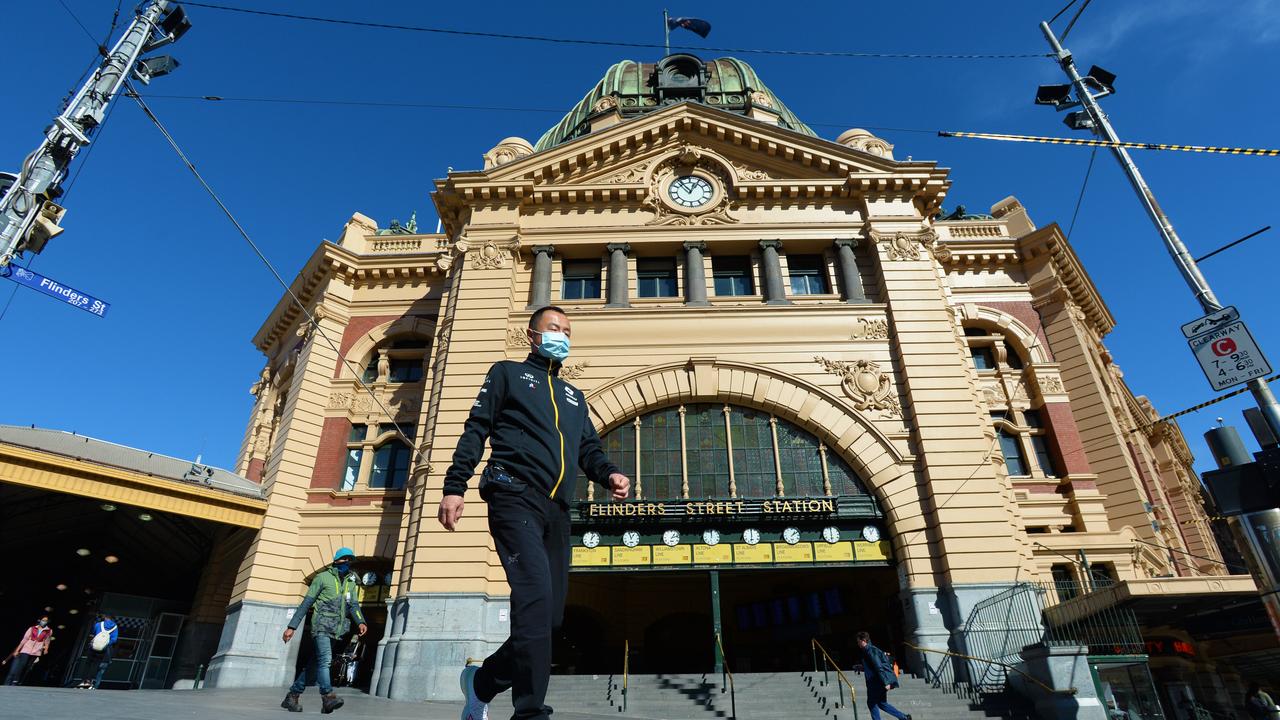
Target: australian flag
694	25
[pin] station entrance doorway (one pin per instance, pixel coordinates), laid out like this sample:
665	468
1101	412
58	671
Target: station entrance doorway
767	618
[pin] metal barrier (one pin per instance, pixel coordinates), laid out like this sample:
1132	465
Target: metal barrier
827	663
626	670
726	674
1006	666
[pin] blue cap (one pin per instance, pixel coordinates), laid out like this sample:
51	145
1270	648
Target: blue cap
344	552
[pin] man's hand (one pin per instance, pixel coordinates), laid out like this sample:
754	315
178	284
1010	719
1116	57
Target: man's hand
362	629
887	688
450	512
619	486
288	634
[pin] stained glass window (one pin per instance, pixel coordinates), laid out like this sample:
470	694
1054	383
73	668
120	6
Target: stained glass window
620	446
844	481
708	451
801	462
660	471
754	471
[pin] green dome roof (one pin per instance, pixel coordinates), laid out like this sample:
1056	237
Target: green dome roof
726	83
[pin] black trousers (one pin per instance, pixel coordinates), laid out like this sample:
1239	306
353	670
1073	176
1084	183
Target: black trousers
17	668
531	532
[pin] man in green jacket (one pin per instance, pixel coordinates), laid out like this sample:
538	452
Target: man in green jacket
332	598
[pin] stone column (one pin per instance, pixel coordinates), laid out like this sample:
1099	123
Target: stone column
695	274
618	274
850	278
540	296
771	273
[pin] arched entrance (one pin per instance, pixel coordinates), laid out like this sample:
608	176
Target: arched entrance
745	525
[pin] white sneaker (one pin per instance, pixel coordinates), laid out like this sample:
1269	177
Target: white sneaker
474	709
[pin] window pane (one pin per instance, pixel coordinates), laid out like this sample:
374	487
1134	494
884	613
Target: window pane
409	344
1012	357
1044	458
975	332
708	451
1014	460
808	274
371	369
1033	418
1065	583
390	466
844	481
581	280
732	275
660	471
801	461
983	358
406	370
620	445
1102	575
357	433
352	471
754	471
406	428
656	277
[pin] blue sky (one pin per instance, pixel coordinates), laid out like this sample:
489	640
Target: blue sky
169	368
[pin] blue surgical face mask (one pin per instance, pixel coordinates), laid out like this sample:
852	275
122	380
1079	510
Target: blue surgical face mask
342	567
554	345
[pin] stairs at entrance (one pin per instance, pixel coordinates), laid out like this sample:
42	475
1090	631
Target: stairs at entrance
760	696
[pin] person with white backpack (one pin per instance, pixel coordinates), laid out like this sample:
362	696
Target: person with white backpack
102	640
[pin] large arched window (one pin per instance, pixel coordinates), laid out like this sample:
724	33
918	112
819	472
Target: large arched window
723	451
398	361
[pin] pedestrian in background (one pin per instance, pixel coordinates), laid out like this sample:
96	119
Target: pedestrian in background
881	678
332	598
33	645
1259	704
102	643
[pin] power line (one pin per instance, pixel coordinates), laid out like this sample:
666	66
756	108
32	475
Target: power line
617	43
1216	149
1058	14
102	49
1080	200
311	319
1072	24
439	106
1198	557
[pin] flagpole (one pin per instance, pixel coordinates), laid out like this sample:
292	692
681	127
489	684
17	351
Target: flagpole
666	32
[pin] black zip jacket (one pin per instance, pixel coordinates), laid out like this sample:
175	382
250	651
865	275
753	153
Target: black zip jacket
538	428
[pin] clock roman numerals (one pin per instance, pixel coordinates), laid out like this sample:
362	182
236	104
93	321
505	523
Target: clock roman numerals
690	191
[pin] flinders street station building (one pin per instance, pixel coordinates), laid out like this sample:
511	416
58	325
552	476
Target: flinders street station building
843	404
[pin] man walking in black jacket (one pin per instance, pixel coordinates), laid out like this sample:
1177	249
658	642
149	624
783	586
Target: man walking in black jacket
880	679
538	429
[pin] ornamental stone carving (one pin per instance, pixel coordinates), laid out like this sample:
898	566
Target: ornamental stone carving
761	99
864	383
687	160
263	384
573	371
488	257
606	103
868	329
746	173
860	139
517	338
510	149
633	174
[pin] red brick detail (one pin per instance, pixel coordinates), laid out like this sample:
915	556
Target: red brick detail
254	472
1027	315
332	454
1064	438
357	328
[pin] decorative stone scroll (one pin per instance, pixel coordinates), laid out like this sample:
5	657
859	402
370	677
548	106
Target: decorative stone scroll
488	257
573	371
747	173
517	338
871	329
864	383
906	246
633	174
510	149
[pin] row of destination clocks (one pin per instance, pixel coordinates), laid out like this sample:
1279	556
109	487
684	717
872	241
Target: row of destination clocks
750	536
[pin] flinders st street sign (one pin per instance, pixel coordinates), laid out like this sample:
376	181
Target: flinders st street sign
702	508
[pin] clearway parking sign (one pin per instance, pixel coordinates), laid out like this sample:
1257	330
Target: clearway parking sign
1229	356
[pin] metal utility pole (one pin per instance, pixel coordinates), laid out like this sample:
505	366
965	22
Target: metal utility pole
29	216
1258	538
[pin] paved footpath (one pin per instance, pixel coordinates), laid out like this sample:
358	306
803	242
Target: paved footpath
222	704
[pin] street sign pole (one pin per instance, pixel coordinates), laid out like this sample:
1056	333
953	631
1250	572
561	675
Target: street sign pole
1096	120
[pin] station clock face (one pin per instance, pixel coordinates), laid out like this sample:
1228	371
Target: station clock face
711	537
631	538
690	191
369	578
791	535
671	538
871	533
831	534
751	536
591	538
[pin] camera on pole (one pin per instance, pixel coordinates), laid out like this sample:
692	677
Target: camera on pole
29	215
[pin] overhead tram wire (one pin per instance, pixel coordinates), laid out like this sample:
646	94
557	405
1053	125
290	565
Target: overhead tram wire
616	43
1080	200
311	319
